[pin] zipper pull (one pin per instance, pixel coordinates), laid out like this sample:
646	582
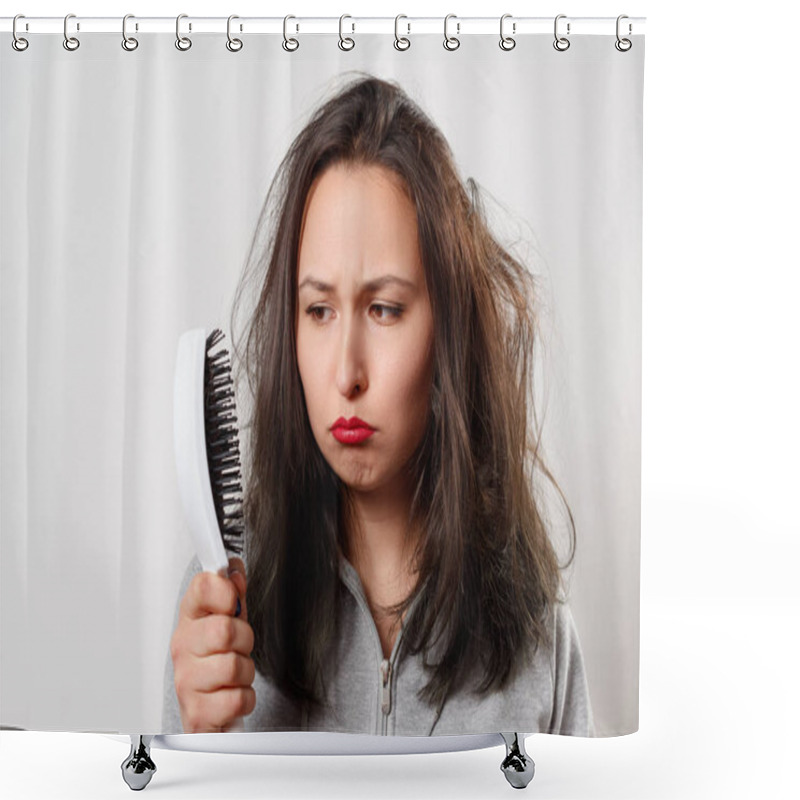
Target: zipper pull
386	675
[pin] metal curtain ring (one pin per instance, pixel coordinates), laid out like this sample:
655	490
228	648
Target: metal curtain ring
181	42
289	44
507	42
623	45
70	42
18	43
346	43
451	42
561	43
128	42
234	45
400	42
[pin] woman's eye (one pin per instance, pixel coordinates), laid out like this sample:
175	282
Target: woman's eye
385	314
393	312
313	312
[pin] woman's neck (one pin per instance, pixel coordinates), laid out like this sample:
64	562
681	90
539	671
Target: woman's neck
380	545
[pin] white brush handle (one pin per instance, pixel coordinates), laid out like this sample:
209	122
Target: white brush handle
191	459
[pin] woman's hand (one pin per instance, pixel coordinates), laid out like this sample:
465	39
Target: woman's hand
210	651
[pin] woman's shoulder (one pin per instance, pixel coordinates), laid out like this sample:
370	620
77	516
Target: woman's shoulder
562	624
572	711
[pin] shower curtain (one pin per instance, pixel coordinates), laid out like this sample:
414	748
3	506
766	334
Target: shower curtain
134	185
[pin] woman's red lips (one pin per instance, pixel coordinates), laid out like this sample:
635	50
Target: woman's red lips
351	431
353	422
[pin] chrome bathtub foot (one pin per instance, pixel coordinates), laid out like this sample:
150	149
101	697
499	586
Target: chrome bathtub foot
517	766
138	768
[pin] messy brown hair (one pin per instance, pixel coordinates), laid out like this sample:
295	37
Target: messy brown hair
488	571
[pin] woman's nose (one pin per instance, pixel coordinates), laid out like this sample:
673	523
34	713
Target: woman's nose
351	375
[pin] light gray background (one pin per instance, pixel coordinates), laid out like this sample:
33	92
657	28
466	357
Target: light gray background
719	700
131	185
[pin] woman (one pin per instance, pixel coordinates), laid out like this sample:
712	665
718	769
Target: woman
400	577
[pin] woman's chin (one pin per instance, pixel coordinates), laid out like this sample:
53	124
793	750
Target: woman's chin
358	484
357	475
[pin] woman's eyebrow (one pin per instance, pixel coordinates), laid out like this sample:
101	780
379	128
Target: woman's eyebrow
369	286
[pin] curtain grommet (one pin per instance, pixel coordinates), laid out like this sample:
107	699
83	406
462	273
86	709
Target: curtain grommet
70	43
290	44
234	45
507	42
18	42
129	43
183	43
401	42
561	43
345	42
451	43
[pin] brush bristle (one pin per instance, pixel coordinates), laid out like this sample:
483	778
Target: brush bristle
222	444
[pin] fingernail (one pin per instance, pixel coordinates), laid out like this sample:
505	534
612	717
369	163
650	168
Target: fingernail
238	607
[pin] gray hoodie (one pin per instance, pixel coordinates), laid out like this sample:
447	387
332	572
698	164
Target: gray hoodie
370	694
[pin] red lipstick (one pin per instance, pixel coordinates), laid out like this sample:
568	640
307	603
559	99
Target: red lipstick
351	431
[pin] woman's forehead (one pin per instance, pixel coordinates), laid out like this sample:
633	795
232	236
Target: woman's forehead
358	227
345	190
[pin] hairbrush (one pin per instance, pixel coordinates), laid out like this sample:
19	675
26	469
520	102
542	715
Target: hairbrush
207	451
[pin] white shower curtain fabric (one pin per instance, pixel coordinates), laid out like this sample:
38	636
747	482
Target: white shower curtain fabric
132	184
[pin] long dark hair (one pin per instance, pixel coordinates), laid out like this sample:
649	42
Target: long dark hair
488	571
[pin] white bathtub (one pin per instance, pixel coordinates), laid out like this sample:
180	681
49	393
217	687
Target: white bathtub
138	768
319	744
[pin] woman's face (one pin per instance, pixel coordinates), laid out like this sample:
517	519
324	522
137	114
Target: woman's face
363	324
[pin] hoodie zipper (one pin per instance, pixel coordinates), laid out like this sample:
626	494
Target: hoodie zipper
386	695
385	671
